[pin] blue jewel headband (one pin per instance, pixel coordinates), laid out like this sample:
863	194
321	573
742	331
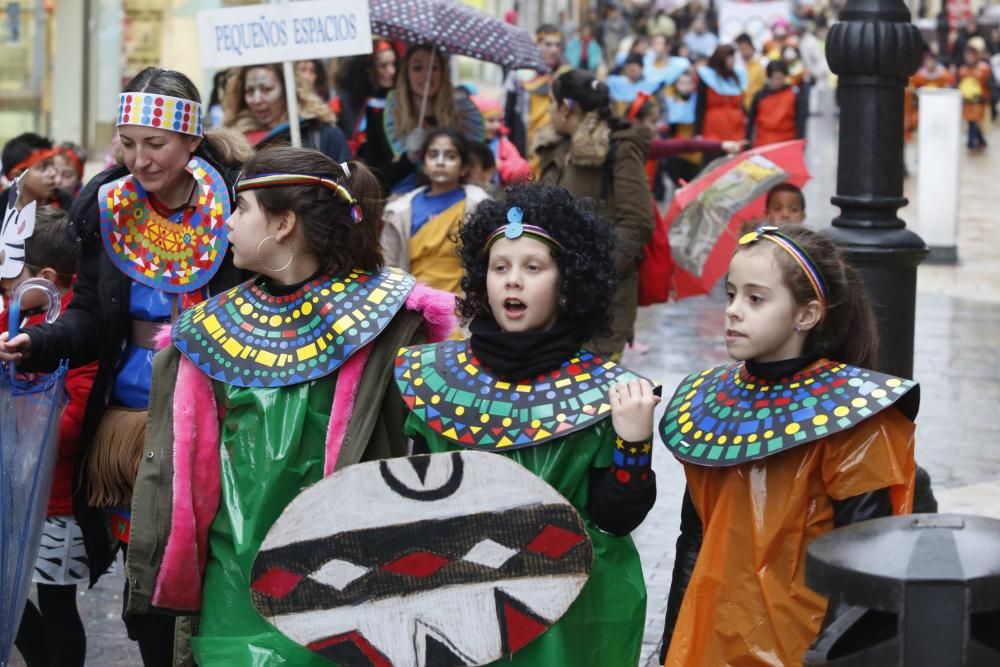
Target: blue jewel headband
515	228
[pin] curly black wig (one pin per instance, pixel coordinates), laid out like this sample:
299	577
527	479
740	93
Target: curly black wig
587	278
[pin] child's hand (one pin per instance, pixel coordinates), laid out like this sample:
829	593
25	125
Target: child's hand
632	405
733	146
14	349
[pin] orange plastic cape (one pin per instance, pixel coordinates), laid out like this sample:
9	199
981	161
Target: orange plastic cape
747	602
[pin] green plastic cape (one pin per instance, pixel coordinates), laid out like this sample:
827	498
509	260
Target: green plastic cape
266	461
604	625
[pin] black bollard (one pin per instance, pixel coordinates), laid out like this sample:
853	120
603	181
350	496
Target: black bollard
873	49
925	590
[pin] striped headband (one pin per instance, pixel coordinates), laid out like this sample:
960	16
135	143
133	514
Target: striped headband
160	111
515	228
281	180
801	257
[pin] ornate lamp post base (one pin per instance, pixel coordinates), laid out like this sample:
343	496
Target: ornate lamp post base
874	49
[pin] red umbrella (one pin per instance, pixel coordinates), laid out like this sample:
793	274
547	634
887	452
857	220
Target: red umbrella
706	215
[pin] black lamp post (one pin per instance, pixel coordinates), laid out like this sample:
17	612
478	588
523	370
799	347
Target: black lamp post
873	49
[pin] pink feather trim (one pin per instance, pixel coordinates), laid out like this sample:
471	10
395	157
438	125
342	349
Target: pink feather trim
343	406
438	309
162	337
197	487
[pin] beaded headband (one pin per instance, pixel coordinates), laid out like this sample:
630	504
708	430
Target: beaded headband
801	257
280	180
515	228
160	111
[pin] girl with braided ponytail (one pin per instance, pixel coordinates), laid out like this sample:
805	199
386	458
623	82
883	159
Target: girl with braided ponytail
267	388
593	154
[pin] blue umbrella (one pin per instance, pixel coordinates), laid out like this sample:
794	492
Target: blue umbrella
30	408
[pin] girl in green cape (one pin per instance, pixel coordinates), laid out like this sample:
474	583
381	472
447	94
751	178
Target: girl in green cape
267	388
539	279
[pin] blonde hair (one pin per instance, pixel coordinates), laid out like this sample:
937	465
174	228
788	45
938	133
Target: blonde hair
406	109
237	116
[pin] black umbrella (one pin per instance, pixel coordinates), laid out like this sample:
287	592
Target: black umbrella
457	28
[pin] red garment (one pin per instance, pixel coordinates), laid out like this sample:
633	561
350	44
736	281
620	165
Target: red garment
656	272
774	116
78	384
511	166
724	119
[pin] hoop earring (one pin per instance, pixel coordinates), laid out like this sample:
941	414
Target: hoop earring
291	255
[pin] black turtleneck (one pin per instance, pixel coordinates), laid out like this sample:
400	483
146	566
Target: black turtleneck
776	370
275	288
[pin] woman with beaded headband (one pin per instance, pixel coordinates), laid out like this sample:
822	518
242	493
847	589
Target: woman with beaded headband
796	438
267	388
152	242
539	279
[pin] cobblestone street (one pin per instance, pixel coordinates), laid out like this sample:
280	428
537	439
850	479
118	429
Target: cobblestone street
957	359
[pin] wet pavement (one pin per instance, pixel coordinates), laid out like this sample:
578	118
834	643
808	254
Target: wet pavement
957	361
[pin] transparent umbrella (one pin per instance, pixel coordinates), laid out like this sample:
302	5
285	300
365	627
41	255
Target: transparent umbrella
30	407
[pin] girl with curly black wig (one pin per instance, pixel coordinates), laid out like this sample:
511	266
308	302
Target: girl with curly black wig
539	281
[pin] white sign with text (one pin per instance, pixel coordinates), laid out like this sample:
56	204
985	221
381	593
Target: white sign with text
272	33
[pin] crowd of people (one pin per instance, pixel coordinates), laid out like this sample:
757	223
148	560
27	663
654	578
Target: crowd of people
514	225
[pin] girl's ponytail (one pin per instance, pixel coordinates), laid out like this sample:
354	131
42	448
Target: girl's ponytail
851	335
585	90
337	235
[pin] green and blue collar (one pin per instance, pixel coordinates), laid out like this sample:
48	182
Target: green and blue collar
461	399
723	416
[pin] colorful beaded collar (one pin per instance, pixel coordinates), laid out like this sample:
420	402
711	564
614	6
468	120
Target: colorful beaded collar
175	257
458	397
248	338
723	416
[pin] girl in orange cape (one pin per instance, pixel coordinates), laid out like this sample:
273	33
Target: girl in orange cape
795	439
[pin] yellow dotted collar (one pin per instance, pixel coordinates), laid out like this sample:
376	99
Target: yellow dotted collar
249	338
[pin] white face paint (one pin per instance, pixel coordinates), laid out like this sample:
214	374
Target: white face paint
264	96
443	165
